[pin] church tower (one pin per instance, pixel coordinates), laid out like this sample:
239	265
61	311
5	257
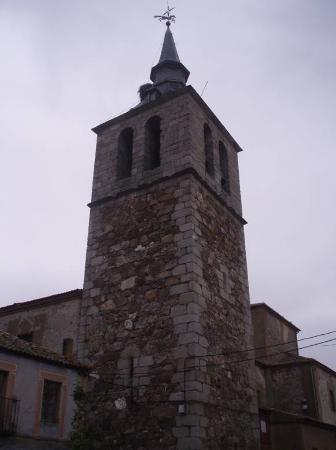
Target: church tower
165	318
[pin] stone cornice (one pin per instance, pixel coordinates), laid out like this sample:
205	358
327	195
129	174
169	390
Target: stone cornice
188	171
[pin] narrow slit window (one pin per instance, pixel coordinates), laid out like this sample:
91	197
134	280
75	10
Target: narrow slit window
208	150
51	402
224	166
152	143
3	383
68	347
332	400
125	154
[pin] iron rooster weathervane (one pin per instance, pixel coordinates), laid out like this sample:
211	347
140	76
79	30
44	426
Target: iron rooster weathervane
167	16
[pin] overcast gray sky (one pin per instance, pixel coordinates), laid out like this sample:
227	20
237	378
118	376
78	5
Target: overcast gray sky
68	65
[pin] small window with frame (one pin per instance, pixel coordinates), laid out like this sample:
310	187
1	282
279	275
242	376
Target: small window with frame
51	401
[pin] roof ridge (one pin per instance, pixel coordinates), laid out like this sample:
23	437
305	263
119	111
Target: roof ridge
12	343
20	305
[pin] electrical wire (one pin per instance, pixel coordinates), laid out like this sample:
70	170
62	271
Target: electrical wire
207	365
233	352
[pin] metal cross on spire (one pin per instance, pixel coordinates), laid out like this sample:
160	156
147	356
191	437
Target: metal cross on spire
167	16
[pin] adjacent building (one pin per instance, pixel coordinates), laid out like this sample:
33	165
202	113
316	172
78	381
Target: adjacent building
37	389
51	322
296	395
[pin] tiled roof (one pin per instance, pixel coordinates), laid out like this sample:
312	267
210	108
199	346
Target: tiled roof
44	301
13	344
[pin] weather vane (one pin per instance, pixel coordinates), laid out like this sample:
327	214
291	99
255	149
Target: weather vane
167	16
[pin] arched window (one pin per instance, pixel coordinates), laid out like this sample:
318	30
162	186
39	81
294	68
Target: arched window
224	166
125	154
68	348
152	143
208	150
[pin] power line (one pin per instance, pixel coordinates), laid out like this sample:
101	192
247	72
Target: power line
271	345
145	373
137	374
233	352
280	353
136	402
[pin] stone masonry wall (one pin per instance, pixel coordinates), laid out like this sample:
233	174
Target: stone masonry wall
182	147
325	381
270	331
50	324
288	385
277	331
141	315
165	286
231	406
198	118
172	290
175	148
20	443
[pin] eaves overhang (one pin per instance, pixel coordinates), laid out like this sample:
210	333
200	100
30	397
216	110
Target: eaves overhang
170	65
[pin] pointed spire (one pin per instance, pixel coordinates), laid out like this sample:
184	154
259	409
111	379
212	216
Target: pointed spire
169	74
169	52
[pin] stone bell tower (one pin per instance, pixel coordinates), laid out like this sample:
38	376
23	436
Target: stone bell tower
166	316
